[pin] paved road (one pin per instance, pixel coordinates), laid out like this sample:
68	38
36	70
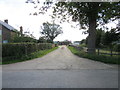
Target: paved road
60	69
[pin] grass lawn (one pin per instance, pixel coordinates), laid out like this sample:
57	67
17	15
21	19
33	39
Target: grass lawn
30	56
101	58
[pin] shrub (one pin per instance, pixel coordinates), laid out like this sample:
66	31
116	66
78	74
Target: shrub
19	49
18	39
117	47
9	60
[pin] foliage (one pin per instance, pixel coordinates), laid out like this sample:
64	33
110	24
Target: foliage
99	35
109	37
51	31
82	45
42	40
101	58
80	11
49	41
83	41
33	55
116	47
16	50
18	39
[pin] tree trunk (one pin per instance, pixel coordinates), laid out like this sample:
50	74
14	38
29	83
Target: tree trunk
92	34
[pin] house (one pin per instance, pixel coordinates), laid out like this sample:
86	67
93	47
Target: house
7	31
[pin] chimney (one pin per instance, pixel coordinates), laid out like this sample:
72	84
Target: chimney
6	21
21	30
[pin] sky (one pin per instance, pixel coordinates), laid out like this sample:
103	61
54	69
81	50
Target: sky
18	14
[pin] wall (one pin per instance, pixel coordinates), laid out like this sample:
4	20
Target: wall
7	34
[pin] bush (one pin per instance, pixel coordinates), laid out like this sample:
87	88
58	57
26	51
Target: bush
9	60
19	49
117	47
18	39
83	45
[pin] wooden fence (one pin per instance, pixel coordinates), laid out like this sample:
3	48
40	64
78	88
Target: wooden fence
110	52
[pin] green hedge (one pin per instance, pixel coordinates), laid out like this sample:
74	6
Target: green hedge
18	49
116	47
33	55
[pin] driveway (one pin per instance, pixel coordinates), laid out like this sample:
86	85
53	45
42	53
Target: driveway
60	69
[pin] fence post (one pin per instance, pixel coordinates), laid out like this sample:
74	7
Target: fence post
98	51
111	52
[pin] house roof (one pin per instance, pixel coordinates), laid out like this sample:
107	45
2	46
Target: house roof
7	25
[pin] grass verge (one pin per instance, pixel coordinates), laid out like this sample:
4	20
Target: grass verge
29	57
101	58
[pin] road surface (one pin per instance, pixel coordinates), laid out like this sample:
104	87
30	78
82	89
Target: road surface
60	69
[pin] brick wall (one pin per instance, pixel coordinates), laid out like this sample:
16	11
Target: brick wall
7	34
13	34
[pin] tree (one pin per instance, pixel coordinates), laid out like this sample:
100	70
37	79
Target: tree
42	40
90	14
51	31
83	41
109	37
99	34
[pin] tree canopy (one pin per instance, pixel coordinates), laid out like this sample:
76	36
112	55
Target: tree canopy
51	31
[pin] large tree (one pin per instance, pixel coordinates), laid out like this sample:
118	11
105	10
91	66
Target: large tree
51	31
90	14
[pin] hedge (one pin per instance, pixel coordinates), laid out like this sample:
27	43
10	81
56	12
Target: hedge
19	49
116	47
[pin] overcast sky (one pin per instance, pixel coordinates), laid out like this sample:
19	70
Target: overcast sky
17	12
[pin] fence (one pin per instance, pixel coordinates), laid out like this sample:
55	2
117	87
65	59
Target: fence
98	51
108	52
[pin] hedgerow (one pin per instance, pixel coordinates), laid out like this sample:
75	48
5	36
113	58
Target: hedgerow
16	50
